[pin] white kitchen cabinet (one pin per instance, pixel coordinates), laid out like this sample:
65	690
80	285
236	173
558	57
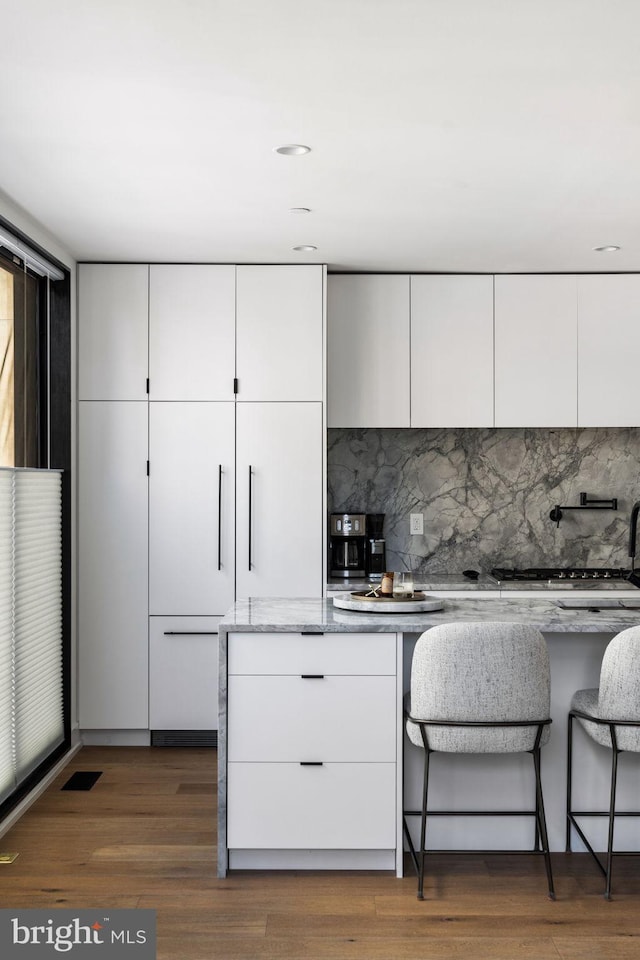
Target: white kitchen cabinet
536	351
112	566
368	378
183	673
192	331
191	507
608	350
451	351
165	546
113	320
321	774
280	332
280	521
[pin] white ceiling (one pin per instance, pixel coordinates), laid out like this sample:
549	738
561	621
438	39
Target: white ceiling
446	135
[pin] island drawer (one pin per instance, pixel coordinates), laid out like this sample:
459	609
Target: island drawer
332	806
297	653
338	718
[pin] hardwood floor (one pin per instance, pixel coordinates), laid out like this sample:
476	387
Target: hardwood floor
144	836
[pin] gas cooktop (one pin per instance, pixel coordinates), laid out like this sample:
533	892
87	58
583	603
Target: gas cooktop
532	574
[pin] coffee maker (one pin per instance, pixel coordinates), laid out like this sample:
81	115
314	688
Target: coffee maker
347	545
376	546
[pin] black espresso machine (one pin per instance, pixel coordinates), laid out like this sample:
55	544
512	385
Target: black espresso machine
356	547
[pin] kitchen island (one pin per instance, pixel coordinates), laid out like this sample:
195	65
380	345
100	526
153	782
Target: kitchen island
311	737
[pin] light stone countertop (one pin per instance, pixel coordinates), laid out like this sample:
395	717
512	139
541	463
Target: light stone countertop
485	582
315	615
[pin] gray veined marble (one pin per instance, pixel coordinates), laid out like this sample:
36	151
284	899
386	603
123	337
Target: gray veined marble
301	615
486	494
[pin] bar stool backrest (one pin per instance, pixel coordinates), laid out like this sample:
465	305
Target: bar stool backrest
619	697
480	672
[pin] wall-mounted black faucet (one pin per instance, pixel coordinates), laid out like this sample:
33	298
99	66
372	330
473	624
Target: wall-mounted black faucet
633	577
585	504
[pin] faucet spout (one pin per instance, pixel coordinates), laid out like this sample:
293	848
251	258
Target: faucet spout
633	577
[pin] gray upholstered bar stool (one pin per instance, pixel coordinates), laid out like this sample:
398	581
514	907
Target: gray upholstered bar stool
610	715
479	688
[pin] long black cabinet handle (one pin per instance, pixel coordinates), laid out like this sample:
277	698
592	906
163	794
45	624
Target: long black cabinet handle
311	763
312	633
312	676
190	633
249	516
219	516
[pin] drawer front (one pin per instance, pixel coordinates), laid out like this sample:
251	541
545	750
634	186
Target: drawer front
284	806
183	673
296	653
312	718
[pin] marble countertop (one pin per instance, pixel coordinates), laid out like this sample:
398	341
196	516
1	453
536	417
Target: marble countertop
485	582
321	616
426	583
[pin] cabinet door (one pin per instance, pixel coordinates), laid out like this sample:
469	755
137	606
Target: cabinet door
368	381
280	517
608	350
280	332
191	331
113	322
536	351
183	673
112	566
191	508
451	351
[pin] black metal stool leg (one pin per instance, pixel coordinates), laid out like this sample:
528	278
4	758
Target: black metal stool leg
543	823
567	845
423	822
612	810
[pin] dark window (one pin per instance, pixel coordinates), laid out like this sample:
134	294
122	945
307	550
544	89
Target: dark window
23	346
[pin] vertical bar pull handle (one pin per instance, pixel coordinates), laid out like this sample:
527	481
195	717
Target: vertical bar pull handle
219	516
250	518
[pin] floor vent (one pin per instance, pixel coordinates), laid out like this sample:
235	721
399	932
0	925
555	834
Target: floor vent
82	780
184	738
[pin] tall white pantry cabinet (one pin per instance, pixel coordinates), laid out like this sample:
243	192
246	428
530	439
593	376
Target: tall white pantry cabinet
201	456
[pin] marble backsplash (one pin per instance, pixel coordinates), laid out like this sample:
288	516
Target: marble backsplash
486	494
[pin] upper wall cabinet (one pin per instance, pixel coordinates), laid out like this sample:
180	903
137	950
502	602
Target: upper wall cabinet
368	351
535	351
279	332
191	331
113	310
608	350
451	351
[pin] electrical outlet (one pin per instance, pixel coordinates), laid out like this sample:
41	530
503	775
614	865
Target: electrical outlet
416	524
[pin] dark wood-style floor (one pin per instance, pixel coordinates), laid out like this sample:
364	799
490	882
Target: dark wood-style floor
144	836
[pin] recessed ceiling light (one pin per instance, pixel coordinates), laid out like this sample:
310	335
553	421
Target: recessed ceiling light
299	209
305	248
609	248
292	149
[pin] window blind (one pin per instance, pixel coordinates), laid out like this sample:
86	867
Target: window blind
7	765
31	620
